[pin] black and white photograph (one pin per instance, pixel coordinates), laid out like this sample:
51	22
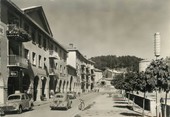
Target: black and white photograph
84	58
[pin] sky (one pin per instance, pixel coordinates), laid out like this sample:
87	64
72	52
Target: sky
108	27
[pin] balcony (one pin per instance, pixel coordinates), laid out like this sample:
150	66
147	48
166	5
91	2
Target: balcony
83	64
88	71
83	71
53	54
17	61
17	34
52	72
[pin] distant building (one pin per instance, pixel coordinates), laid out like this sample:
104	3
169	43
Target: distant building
109	74
84	68
98	74
74	81
143	65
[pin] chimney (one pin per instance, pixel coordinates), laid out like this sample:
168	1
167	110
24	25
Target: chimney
71	45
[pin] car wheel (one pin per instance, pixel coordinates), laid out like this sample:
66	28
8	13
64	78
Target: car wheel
67	107
20	110
31	106
70	106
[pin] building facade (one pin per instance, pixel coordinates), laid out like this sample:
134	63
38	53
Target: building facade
143	64
31	60
84	68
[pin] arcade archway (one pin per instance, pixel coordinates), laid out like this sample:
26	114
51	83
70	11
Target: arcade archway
36	80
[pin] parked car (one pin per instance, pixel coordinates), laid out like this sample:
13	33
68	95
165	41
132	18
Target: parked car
60	101
72	95
17	102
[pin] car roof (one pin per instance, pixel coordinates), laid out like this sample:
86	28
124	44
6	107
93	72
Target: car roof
61	94
17	94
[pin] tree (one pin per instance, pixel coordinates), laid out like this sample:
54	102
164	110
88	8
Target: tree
158	75
113	62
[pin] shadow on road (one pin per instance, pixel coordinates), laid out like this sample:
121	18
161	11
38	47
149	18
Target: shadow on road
89	106
119	106
121	102
130	114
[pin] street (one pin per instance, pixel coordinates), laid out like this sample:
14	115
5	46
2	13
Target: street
45	111
96	105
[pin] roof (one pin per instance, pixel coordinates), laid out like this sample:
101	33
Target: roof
76	50
97	70
36	13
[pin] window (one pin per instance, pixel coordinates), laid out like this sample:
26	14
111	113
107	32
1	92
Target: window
45	43
56	49
60	69
34	58
26	55
39	40
44	63
65	57
33	33
26	27
60	54
51	46
39	61
13	19
56	66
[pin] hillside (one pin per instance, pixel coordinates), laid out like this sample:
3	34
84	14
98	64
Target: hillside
114	62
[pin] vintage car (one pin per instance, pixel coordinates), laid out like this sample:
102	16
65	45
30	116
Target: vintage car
72	95
17	102
61	101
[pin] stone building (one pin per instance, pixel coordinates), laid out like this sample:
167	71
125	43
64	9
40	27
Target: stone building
84	68
31	60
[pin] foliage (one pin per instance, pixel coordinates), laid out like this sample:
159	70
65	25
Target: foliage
114	62
158	74
125	81
117	82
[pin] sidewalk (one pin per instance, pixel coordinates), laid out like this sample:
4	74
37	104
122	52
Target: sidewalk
105	106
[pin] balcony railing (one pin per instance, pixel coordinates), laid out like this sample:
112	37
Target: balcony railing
17	61
52	71
83	71
53	54
18	34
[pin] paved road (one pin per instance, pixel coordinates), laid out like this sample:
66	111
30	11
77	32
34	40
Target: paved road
106	106
45	111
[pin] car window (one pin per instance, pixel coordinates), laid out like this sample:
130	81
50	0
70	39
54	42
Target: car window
23	97
14	97
27	97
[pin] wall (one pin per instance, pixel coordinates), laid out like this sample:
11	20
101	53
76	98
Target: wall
71	60
3	62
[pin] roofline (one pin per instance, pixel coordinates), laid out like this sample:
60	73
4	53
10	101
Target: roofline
87	60
39	7
71	66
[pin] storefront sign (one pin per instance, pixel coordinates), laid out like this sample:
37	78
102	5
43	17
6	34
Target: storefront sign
13	74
